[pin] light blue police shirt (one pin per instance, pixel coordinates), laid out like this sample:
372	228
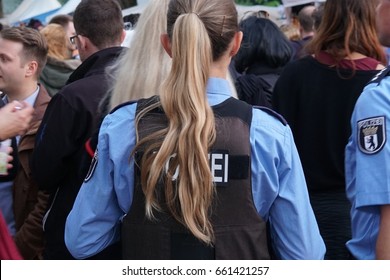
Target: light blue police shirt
278	184
367	166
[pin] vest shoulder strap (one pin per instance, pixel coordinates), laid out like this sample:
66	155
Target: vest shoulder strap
380	76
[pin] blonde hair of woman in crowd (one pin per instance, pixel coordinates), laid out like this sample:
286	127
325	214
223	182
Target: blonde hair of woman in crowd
66	21
141	70
57	41
60	64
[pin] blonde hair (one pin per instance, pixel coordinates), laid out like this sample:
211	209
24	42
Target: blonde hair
143	67
200	32
57	41
291	31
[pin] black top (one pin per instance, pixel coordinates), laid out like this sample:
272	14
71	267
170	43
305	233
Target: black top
317	102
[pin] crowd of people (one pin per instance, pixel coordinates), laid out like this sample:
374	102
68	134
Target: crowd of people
209	136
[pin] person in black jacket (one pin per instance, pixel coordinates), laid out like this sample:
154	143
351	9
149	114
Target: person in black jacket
264	51
60	161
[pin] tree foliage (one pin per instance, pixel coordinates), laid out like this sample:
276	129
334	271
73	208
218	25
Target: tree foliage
273	3
127	3
124	3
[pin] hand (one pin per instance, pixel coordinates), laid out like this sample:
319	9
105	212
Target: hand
15	118
383	241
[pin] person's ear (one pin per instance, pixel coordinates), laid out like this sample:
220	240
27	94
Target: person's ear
123	36
82	42
166	43
236	43
32	68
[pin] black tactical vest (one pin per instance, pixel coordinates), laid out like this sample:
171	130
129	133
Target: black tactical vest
240	233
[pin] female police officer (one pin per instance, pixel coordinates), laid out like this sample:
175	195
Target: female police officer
194	173
367	160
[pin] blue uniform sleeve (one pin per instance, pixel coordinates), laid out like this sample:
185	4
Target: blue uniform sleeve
280	192
368	150
367	164
106	194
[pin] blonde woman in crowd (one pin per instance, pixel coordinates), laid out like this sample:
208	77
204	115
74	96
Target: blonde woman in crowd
66	21
145	65
60	64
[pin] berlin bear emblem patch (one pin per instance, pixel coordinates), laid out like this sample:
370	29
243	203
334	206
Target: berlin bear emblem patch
372	135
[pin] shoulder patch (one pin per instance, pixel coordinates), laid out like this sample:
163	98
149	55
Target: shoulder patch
371	135
271	112
92	167
379	77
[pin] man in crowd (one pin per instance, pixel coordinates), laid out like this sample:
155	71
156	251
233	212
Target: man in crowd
60	161
23	53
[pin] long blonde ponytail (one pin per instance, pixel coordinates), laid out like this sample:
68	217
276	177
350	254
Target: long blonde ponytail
186	141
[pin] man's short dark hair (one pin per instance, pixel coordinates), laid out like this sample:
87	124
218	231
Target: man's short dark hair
100	21
62	20
317	16
34	44
305	18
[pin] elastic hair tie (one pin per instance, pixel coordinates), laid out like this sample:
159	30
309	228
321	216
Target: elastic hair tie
195	14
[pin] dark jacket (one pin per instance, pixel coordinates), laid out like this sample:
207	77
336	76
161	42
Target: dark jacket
29	202
253	90
59	160
317	102
256	85
299	47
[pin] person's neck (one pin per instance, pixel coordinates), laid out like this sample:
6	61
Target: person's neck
307	35
92	49
355	55
23	92
219	69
